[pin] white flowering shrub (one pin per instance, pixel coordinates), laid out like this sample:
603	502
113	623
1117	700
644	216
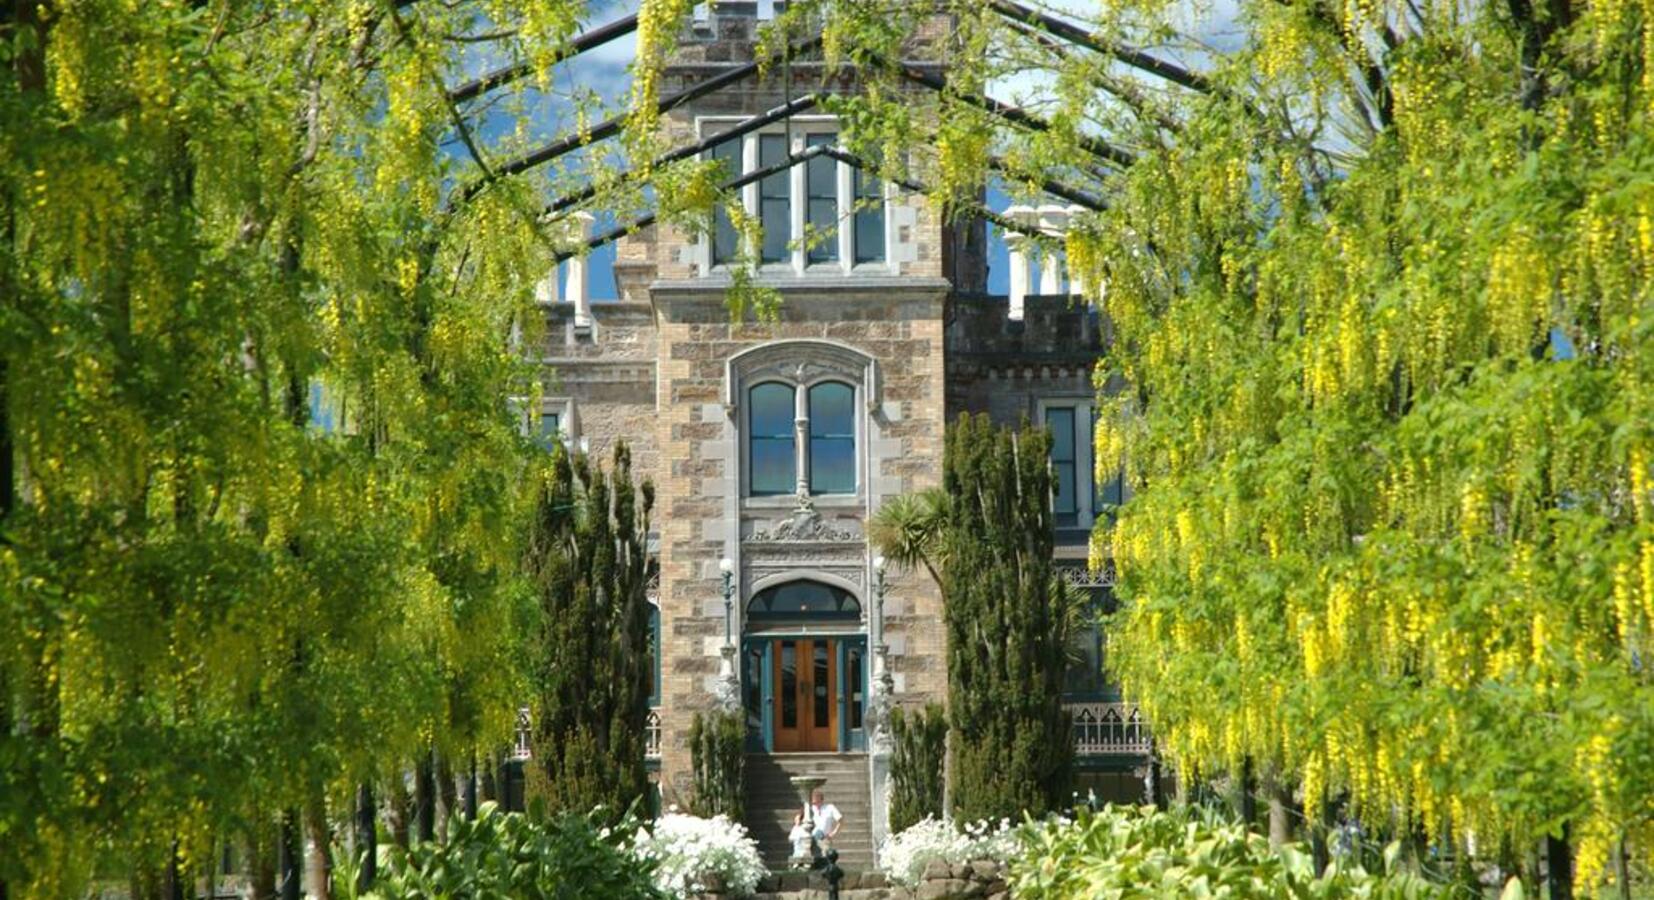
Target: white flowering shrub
693	855
904	855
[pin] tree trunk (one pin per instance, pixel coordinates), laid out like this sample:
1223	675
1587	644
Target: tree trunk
447	792
425	797
1559	866
470	792
1185	788
401	811
290	857
1156	796
1247	784
1622	870
320	874
172	884
1280	810
261	853
367	839
490	786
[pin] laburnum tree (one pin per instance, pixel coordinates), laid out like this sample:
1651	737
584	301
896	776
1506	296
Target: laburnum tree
259	460
588	561
1377	279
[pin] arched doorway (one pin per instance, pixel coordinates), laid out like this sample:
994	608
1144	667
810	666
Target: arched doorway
805	664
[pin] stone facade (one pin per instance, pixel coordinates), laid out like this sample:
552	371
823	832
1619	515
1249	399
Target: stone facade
665	369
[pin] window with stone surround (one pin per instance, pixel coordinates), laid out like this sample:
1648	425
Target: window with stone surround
777	414
1079	497
800	411
823	216
555	424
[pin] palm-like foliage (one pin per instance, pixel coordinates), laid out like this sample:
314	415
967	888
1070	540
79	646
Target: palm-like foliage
907	530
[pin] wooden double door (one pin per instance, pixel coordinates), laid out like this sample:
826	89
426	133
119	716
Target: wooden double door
806	694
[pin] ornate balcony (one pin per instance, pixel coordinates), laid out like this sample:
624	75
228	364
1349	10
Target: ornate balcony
1109	729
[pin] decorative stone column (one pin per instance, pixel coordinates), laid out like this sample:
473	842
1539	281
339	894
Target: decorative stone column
1021	271
579	283
1053	223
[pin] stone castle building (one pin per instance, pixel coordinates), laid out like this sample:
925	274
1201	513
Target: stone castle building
770	444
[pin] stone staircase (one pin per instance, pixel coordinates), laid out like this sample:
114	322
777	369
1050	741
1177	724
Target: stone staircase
772	800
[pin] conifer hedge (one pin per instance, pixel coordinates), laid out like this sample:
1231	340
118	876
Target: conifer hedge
588	560
916	764
717	757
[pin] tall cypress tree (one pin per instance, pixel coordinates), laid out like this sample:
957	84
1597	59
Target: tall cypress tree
986	538
590	567
1007	617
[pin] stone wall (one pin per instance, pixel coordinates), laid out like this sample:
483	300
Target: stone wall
706	516
1003	368
604	379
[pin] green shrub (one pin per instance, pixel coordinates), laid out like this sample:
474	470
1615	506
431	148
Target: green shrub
1142	852
509	855
718	755
916	765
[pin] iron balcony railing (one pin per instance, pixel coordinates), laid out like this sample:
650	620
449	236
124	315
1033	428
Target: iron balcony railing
1104	729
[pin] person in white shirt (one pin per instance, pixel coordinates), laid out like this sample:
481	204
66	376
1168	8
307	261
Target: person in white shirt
825	819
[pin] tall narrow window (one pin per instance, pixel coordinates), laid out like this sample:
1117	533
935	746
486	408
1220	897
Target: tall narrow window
654	654
789	684
752	682
821	685
770	440
853	657
821	202
774	206
725	241
869	218
1066	503
1084	678
550	431
832	439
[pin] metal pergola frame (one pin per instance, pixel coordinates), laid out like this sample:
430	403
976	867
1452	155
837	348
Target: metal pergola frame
1016	12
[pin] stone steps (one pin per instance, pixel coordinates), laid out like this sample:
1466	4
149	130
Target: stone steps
772	800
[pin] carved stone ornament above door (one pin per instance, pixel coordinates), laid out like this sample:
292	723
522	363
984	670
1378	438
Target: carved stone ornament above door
804	525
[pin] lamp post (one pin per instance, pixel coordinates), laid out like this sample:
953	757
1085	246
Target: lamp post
727	567
728	693
882	678
883	688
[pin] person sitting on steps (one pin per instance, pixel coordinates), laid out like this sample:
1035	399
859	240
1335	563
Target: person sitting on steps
825	822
